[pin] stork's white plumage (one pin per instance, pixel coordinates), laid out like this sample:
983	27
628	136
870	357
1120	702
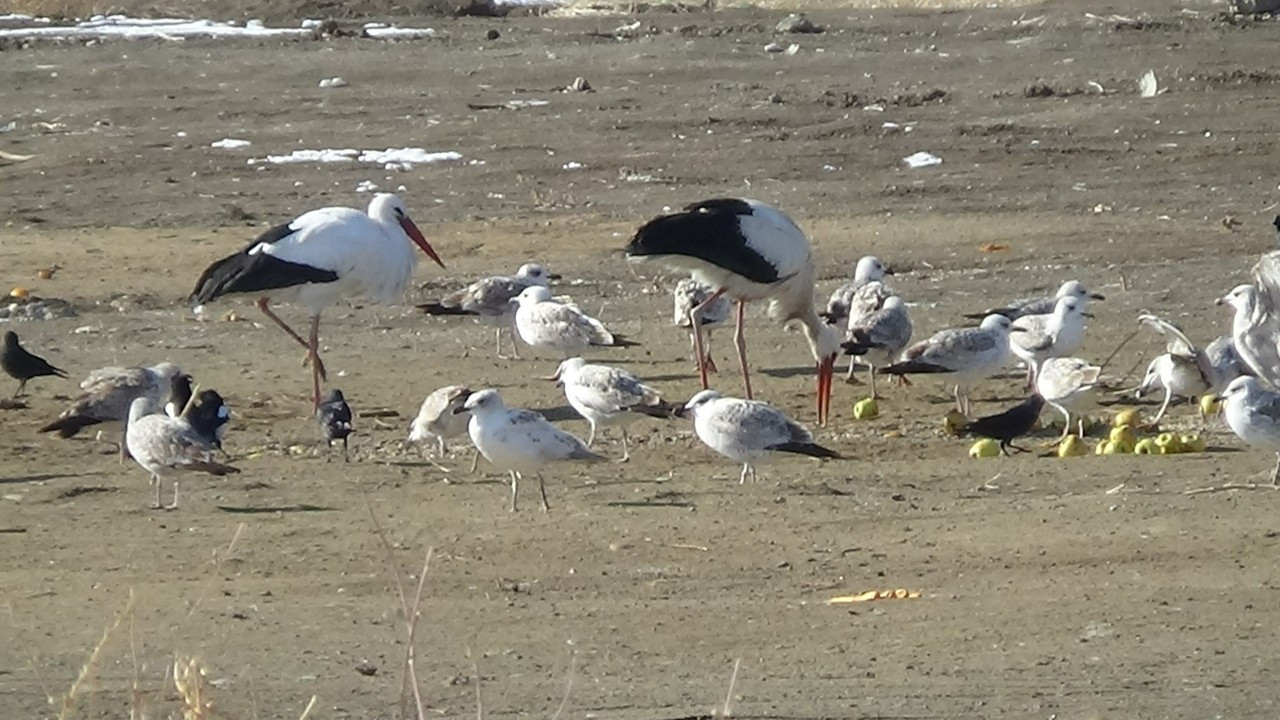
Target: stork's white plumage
748	251
318	258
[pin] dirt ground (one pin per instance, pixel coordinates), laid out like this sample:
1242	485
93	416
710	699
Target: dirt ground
1072	589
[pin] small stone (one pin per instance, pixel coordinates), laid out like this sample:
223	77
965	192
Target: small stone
492	34
367	669
580	84
798	23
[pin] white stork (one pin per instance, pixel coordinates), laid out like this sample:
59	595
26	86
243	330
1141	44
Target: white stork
318	258
748	251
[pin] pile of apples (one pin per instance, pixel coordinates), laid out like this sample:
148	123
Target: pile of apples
1125	440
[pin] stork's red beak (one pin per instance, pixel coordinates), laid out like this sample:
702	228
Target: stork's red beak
826	373
416	235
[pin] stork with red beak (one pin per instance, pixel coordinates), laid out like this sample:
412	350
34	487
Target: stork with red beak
318	258
747	250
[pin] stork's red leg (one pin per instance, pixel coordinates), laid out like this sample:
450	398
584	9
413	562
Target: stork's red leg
694	322
742	347
266	310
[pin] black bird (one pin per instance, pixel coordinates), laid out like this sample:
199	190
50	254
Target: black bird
22	365
179	395
208	415
1009	425
334	415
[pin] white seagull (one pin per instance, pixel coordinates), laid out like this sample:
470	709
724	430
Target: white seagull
868	270
747	431
607	395
690	294
489	300
1253	413
1042	305
442	417
886	332
520	441
1184	370
1056	334
748	251
562	327
163	445
320	257
1063	382
967	354
1255	329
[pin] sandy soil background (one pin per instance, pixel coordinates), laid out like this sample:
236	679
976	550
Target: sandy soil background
1082	588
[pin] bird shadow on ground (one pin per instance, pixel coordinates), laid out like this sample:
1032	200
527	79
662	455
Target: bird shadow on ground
559	413
789	371
17	479
299	508
670	377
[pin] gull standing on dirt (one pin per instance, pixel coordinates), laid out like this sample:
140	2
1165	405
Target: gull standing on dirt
1044	336
864	302
1253	414
868	270
334	416
562	327
966	354
319	258
489	301
22	365
748	251
1184	370
607	395
1042	305
690	294
886	331
748	431
442	417
107	395
1063	382
163	445
520	441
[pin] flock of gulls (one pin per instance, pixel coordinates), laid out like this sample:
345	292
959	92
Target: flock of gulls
731	252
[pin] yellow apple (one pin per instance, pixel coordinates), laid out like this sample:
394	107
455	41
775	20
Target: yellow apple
1168	443
1209	404
1071	446
1146	446
1193	443
984	448
1132	418
865	409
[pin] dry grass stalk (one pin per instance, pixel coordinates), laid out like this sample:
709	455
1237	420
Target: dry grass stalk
188	679
568	687
411	614
31	655
307	711
217	563
86	672
726	709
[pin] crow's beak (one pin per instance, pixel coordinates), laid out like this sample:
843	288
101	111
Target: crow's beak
1097	296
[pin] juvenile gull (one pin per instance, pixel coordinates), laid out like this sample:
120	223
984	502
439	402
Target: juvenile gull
1253	414
607	395
869	269
1042	305
562	327
1063	382
885	332
107	395
690	295
22	365
439	416
489	300
164	445
1056	334
334	416
748	431
1009	425
520	441
864	302
1184	370
966	354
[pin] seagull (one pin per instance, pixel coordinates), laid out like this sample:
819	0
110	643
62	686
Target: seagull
520	441
868	270
689	294
1042	305
1255	329
1044	336
318	258
439	416
886	331
968	354
163	445
1185	370
1009	425
563	327
107	395
1064	381
21	365
489	300
335	416
863	303
607	395
748	251
1253	413
748	431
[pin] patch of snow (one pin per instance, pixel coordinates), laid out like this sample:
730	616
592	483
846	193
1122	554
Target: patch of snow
230	144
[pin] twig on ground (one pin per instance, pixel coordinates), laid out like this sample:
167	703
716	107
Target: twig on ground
1226	487
726	709
217	563
568	687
